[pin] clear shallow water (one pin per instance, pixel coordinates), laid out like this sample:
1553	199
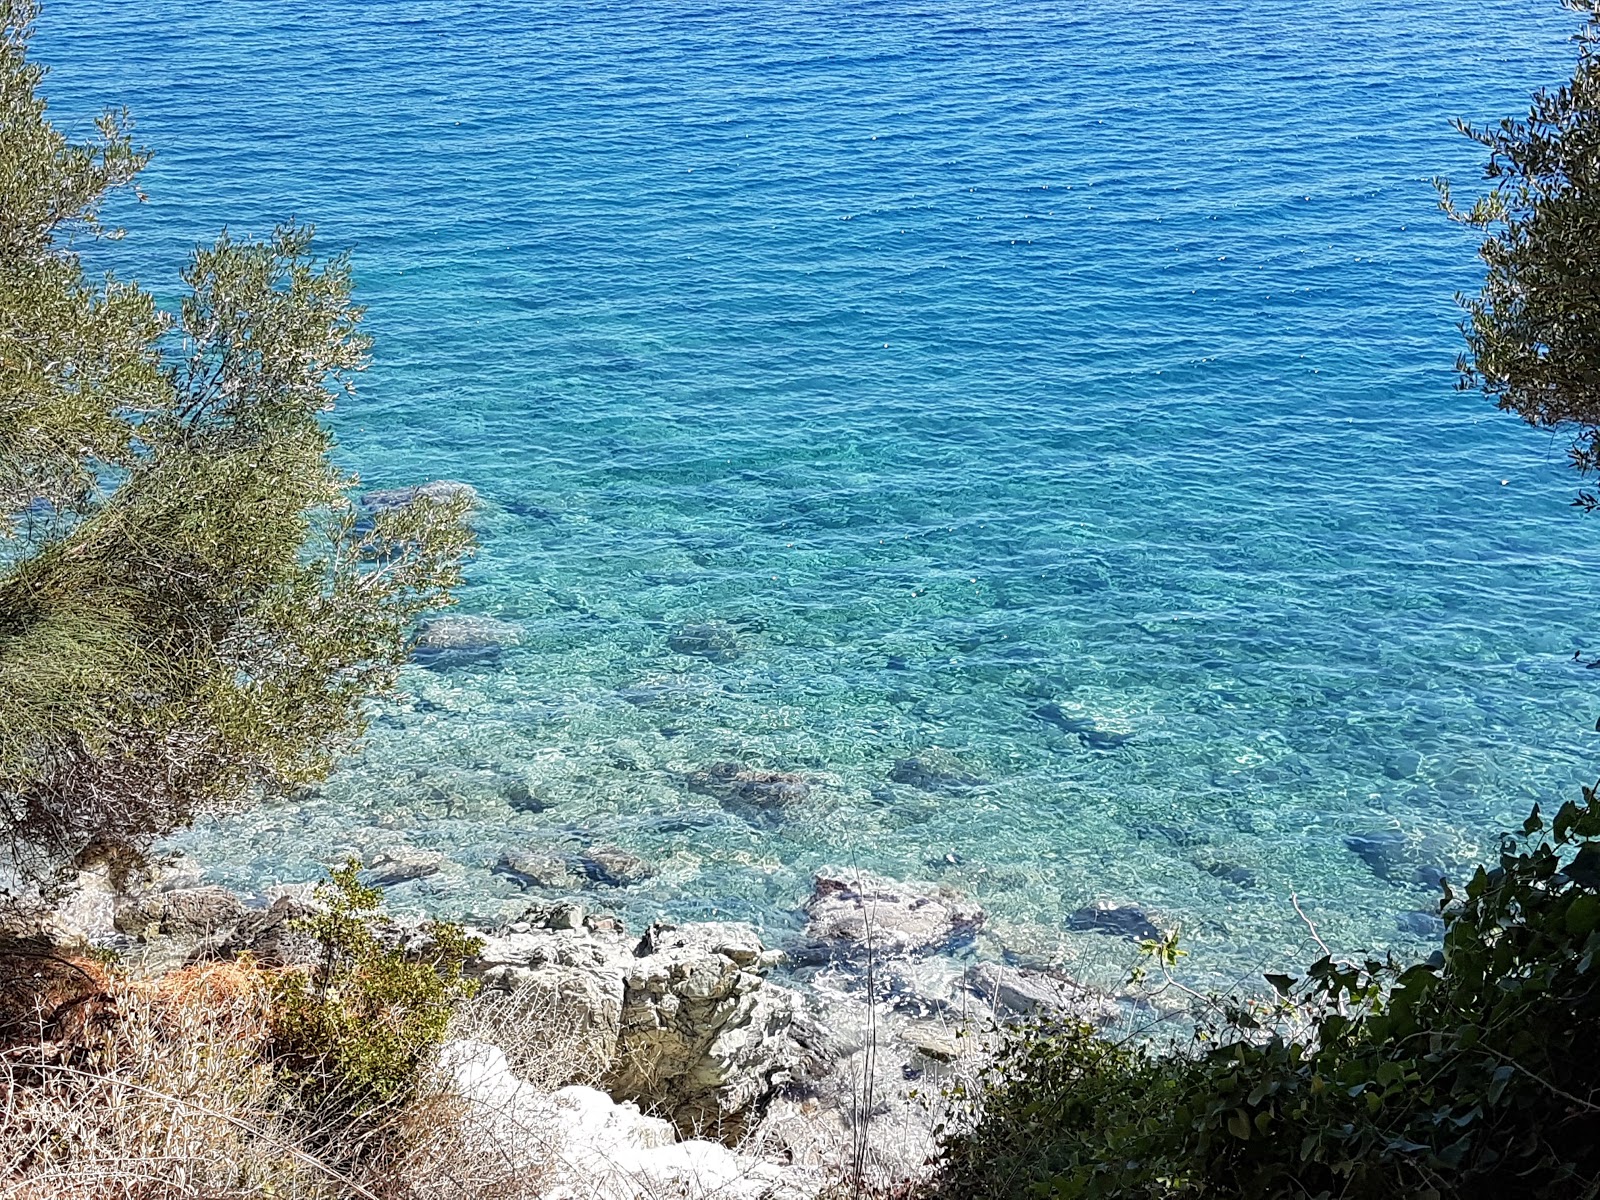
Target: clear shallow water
962	358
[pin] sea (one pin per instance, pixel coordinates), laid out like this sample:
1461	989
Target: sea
1033	425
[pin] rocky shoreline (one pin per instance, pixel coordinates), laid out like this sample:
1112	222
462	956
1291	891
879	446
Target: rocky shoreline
834	1048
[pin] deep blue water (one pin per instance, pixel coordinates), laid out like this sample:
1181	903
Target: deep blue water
964	359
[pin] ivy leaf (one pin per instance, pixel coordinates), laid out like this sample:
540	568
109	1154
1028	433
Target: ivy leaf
1497	1085
1583	914
1584	869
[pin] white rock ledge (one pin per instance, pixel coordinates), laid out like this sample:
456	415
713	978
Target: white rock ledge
590	1147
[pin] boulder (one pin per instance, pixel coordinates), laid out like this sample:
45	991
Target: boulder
575	971
199	912
462	641
1119	920
936	1041
1026	992
272	936
750	788
680	1020
401	864
88	913
536	868
613	866
849	910
703	1035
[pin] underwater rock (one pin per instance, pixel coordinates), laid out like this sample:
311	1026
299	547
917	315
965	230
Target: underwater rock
736	785
614	866
1176	835
535	868
1027	992
849	910
518	506
1120	920
1225	869
440	491
1087	730
931	776
1403	765
522	798
643	695
401	864
461	641
715	641
1420	924
1393	857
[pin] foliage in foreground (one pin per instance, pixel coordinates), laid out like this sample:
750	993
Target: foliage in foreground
1474	1074
191	607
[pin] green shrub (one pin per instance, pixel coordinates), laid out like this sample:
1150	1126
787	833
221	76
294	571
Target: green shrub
349	1037
1473	1074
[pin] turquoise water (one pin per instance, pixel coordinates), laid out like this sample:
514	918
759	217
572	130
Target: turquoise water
960	360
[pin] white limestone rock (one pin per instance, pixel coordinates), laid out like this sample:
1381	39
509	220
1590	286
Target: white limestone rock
591	1147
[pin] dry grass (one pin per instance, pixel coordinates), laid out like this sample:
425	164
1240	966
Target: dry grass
546	1040
170	1100
168	1096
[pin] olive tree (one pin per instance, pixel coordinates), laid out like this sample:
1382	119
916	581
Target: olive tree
1533	331
193	607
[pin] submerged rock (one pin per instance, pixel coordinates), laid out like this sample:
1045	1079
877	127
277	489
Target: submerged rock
643	695
749	788
538	868
1120	920
462	641
927	775
850	911
521	798
1086	729
401	864
440	491
1395	858
1403	765
1027	992
715	641
1420	924
614	866
1219	866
